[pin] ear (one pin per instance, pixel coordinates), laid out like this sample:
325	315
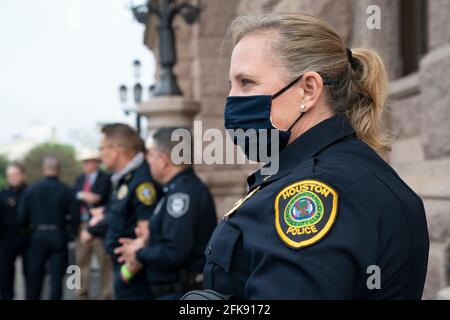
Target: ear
312	85
166	158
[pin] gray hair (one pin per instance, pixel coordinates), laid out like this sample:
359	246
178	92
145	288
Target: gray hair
51	163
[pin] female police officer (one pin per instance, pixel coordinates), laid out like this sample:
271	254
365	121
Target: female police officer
335	221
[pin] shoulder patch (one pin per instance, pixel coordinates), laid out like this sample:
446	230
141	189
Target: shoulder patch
146	193
305	211
178	204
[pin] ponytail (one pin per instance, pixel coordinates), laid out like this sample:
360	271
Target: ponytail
367	93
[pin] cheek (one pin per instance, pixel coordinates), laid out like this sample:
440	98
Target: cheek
279	114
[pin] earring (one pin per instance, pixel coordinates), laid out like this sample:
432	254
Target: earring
302	107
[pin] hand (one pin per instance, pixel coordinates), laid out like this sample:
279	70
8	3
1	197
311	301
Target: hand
90	197
97	216
95	220
142	230
97	212
127	252
86	237
133	268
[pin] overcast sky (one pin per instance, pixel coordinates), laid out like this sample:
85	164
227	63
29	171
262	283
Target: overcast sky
61	62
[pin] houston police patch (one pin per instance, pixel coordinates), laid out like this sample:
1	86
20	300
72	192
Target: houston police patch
305	212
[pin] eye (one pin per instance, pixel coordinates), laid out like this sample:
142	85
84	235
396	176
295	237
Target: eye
246	82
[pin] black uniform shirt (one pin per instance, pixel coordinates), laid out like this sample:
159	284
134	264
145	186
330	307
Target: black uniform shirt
133	199
180	228
47	202
9	202
320	228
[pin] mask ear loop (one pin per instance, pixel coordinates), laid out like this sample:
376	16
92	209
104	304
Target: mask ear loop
295	122
279	93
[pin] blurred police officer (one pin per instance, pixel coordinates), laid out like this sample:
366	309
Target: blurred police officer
13	238
46	209
180	227
91	190
133	197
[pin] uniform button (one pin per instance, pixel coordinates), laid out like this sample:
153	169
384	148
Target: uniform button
208	251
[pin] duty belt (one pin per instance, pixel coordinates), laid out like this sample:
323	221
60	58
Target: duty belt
47	227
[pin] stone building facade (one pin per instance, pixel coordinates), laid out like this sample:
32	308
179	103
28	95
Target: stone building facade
414	41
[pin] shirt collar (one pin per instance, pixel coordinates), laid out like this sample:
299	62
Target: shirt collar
133	164
92	176
306	146
172	182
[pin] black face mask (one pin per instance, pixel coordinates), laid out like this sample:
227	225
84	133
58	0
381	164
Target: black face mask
251	114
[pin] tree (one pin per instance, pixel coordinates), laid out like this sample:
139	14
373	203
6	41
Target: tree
3	164
70	167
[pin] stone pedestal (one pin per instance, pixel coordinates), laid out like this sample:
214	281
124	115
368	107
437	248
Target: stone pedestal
170	111
444	294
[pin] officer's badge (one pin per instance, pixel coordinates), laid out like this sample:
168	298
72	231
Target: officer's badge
305	212
11	201
122	193
146	193
178	204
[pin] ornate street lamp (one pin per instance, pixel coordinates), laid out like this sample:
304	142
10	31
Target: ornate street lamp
166	11
137	95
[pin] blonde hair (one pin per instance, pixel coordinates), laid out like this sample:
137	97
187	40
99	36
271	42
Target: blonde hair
358	83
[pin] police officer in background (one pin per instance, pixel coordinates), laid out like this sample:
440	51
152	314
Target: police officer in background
46	209
335	213
13	238
133	198
180	227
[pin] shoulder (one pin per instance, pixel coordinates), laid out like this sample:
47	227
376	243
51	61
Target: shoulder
3	194
103	176
141	174
190	183
63	187
346	163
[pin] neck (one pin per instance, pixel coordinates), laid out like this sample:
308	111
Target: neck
171	172
123	162
17	187
307	122
89	173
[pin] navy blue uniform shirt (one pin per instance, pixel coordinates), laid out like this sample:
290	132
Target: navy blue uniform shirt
180	228
47	202
9	202
321	227
132	199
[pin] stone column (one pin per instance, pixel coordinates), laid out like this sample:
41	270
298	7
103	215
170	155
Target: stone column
386	40
210	69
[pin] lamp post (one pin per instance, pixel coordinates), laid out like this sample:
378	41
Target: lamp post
137	95
166	11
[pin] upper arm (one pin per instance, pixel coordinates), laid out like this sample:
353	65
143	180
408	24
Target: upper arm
323	242
145	198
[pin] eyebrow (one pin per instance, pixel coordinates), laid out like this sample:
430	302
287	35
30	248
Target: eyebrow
242	75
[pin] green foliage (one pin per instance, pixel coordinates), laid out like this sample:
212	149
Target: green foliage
70	167
3	164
